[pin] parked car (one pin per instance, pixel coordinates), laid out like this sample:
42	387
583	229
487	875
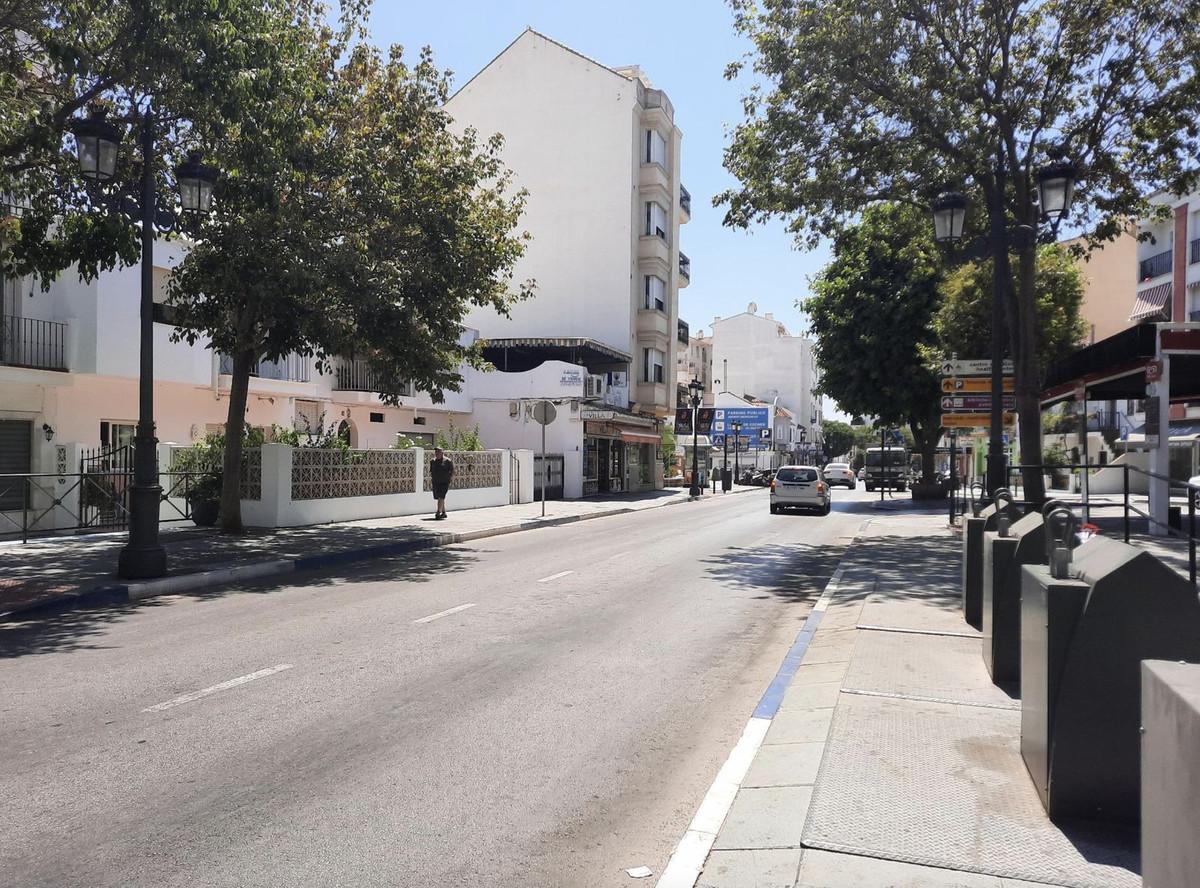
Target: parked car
839	473
862	473
800	487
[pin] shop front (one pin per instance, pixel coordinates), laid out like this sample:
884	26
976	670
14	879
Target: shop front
620	453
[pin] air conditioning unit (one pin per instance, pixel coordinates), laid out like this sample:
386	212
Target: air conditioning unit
594	386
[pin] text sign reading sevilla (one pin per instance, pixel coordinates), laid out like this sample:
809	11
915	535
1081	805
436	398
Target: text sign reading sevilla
972	384
973	368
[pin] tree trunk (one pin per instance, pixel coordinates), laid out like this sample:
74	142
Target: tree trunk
1028	382
926	438
235	432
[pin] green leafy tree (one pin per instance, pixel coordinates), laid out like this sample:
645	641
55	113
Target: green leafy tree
667	448
352	221
871	314
839	437
860	101
963	322
190	57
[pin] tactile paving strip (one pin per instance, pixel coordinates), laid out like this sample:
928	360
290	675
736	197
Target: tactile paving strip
927	667
944	785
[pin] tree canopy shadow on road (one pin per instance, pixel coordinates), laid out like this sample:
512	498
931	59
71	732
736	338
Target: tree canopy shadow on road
67	628
797	572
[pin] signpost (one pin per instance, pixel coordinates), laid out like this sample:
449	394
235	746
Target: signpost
972	384
543	415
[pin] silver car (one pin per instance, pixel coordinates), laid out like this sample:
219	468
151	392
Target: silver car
800	487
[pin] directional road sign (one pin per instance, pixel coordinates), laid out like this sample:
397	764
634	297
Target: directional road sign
973	368
958	384
974	403
971	420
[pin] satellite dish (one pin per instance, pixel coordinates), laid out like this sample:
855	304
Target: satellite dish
752	307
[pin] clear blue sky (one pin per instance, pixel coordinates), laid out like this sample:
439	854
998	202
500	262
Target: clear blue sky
683	47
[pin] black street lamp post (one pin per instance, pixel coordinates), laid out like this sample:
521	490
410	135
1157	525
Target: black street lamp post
97	145
1056	187
736	427
695	387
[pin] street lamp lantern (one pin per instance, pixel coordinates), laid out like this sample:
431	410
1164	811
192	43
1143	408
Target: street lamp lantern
1056	188
196	180
949	216
96	145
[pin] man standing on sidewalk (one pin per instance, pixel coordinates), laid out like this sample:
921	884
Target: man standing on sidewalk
441	471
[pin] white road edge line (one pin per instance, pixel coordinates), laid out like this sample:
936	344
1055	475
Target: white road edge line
561	573
691	854
445	613
223	686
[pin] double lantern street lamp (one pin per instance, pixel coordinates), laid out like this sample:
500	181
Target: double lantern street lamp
695	388
1056	189
98	143
736	428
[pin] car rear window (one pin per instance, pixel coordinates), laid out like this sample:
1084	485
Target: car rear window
796	475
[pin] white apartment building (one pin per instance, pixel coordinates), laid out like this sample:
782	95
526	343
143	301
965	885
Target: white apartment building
69	376
754	355
693	362
598	151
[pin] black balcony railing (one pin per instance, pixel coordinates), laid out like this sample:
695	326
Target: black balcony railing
357	376
682	331
1194	315
1154	266
685	200
685	266
1195	251
31	342
289	368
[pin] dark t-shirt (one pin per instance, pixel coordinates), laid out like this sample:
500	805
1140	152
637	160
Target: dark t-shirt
441	471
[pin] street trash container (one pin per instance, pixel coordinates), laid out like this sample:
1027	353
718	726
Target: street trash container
1083	641
1001	594
727	480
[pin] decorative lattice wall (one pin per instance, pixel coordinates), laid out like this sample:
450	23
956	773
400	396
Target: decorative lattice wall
187	465
472	469
327	474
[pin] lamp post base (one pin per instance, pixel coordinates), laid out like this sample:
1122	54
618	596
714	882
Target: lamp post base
143	557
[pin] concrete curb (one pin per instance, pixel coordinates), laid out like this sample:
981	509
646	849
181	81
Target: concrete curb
128	593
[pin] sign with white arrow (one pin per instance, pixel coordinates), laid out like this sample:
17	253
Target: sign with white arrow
973	368
974	403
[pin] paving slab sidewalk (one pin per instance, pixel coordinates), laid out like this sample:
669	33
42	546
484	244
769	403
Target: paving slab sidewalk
58	571
893	760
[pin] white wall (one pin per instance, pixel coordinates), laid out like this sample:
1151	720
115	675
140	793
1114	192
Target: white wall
567	123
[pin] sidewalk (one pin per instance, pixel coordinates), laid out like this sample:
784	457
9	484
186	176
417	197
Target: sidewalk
891	759
81	569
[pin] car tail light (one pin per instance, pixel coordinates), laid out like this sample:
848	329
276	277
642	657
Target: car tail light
820	487
772	487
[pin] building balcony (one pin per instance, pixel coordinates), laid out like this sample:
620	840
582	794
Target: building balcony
33	343
289	368
357	376
685	270
652	247
1195	257
655	322
685	204
655	182
682	331
1154	266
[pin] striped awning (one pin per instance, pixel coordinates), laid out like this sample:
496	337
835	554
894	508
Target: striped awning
1150	302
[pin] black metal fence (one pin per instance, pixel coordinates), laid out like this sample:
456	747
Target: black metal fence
1181	517
32	342
94	499
1160	263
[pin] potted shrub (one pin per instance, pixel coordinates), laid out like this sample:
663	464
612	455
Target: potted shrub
205	499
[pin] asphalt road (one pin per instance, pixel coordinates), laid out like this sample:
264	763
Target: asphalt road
560	724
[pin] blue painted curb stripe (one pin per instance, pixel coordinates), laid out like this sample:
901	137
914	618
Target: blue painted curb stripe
332	559
772	698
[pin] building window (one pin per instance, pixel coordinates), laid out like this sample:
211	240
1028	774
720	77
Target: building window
115	435
656	293
656	148
656	220
309	418
652	365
